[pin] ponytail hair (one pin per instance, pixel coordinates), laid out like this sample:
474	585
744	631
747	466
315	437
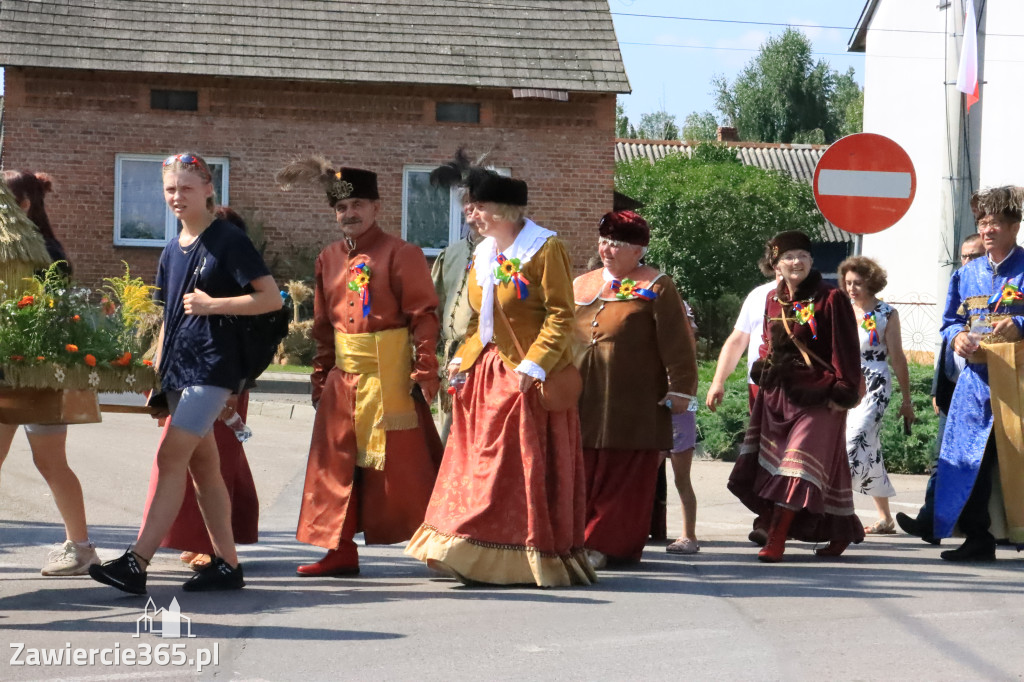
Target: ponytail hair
33	187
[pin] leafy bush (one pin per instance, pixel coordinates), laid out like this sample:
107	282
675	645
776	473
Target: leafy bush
711	216
722	431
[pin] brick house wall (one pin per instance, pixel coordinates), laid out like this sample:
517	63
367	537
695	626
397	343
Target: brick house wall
71	124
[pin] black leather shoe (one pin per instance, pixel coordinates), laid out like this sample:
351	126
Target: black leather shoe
912	526
972	550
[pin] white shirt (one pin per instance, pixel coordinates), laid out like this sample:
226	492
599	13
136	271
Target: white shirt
751	321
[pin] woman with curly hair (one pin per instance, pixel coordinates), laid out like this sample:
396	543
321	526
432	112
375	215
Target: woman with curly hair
878	326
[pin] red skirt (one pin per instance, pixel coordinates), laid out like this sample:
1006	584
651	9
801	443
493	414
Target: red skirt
189	530
508	506
621	487
796	456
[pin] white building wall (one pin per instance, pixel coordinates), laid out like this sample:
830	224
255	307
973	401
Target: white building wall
1002	94
905	99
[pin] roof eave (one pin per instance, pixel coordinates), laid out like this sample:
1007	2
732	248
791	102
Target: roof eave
859	37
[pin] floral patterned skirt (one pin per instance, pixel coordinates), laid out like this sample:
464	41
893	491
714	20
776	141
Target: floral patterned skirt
508	506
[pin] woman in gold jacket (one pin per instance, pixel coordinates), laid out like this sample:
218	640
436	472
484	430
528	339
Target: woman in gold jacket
508	506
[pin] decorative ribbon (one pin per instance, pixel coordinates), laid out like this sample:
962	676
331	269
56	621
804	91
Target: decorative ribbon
1007	295
805	315
361	282
869	325
626	289
507	271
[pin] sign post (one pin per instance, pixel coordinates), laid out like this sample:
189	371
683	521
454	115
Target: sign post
864	183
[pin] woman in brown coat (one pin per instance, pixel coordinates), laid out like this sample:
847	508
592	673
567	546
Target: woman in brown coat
639	367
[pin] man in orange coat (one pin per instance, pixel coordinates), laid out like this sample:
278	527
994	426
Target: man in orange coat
375	450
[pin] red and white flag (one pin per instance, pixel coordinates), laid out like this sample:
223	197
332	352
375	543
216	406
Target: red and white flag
967	78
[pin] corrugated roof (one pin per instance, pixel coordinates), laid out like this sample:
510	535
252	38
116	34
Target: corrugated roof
798	160
553	44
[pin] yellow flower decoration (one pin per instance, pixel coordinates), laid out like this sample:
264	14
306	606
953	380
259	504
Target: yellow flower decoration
362	280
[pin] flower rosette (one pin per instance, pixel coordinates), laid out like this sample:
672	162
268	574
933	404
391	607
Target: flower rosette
508	271
805	315
1008	294
360	283
869	325
626	289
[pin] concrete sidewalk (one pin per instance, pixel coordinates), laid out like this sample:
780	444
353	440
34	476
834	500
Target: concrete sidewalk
889	608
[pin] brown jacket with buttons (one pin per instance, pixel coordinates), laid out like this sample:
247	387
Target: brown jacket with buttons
634	351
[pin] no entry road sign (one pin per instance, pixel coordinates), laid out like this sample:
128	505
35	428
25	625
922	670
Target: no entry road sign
864	183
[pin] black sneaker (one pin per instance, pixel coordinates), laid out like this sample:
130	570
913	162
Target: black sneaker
125	573
218	575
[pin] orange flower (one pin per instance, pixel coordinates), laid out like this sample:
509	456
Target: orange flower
147	363
71	348
26	300
122	361
17	358
40	358
90	359
76	318
107	306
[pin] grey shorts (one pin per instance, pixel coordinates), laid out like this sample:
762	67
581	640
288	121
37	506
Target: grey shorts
45	429
196	408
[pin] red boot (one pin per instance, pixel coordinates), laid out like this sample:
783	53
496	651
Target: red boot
772	552
341	561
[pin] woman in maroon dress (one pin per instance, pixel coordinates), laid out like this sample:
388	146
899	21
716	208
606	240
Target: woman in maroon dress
792	470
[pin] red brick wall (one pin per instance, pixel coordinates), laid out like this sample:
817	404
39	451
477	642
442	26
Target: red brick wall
72	123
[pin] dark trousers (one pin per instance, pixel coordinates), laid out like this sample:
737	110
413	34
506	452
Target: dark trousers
974	519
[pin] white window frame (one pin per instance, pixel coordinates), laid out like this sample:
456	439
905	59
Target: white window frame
455	218
170	222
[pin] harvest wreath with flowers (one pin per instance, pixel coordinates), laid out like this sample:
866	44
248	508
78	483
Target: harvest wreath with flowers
57	336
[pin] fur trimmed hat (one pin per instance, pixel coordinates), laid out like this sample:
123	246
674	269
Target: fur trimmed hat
625	226
482	184
786	241
340	184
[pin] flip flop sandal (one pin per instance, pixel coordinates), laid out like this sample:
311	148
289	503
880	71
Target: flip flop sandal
683	546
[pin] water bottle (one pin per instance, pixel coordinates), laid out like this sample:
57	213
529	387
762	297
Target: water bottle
235	423
456	383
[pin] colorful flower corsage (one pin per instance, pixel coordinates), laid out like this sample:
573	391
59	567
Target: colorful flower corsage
626	289
805	315
1009	294
869	325
507	270
361	282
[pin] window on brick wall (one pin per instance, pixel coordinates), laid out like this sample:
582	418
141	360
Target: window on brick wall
431	216
141	217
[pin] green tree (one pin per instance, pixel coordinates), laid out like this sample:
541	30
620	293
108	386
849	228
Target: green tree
658	125
784	95
622	125
710	217
847	104
701	126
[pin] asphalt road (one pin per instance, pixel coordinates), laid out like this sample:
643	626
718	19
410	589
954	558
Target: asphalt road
888	609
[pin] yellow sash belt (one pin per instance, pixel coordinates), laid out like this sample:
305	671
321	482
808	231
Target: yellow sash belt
1006	381
383	361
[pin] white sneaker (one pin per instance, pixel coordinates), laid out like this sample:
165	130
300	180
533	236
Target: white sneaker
70	559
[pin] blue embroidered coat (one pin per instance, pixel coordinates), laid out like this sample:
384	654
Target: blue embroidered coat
970	414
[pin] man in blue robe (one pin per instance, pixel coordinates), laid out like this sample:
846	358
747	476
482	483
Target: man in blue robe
984	323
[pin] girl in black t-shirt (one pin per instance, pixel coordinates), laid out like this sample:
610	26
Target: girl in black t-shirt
209	273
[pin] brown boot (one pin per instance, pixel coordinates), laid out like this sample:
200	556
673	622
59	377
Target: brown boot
341	561
781	519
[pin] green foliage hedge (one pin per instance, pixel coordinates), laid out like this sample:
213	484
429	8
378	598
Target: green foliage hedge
721	432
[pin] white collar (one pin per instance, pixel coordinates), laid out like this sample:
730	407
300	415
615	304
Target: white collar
527	243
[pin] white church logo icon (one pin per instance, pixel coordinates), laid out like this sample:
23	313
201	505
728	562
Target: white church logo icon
164	622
